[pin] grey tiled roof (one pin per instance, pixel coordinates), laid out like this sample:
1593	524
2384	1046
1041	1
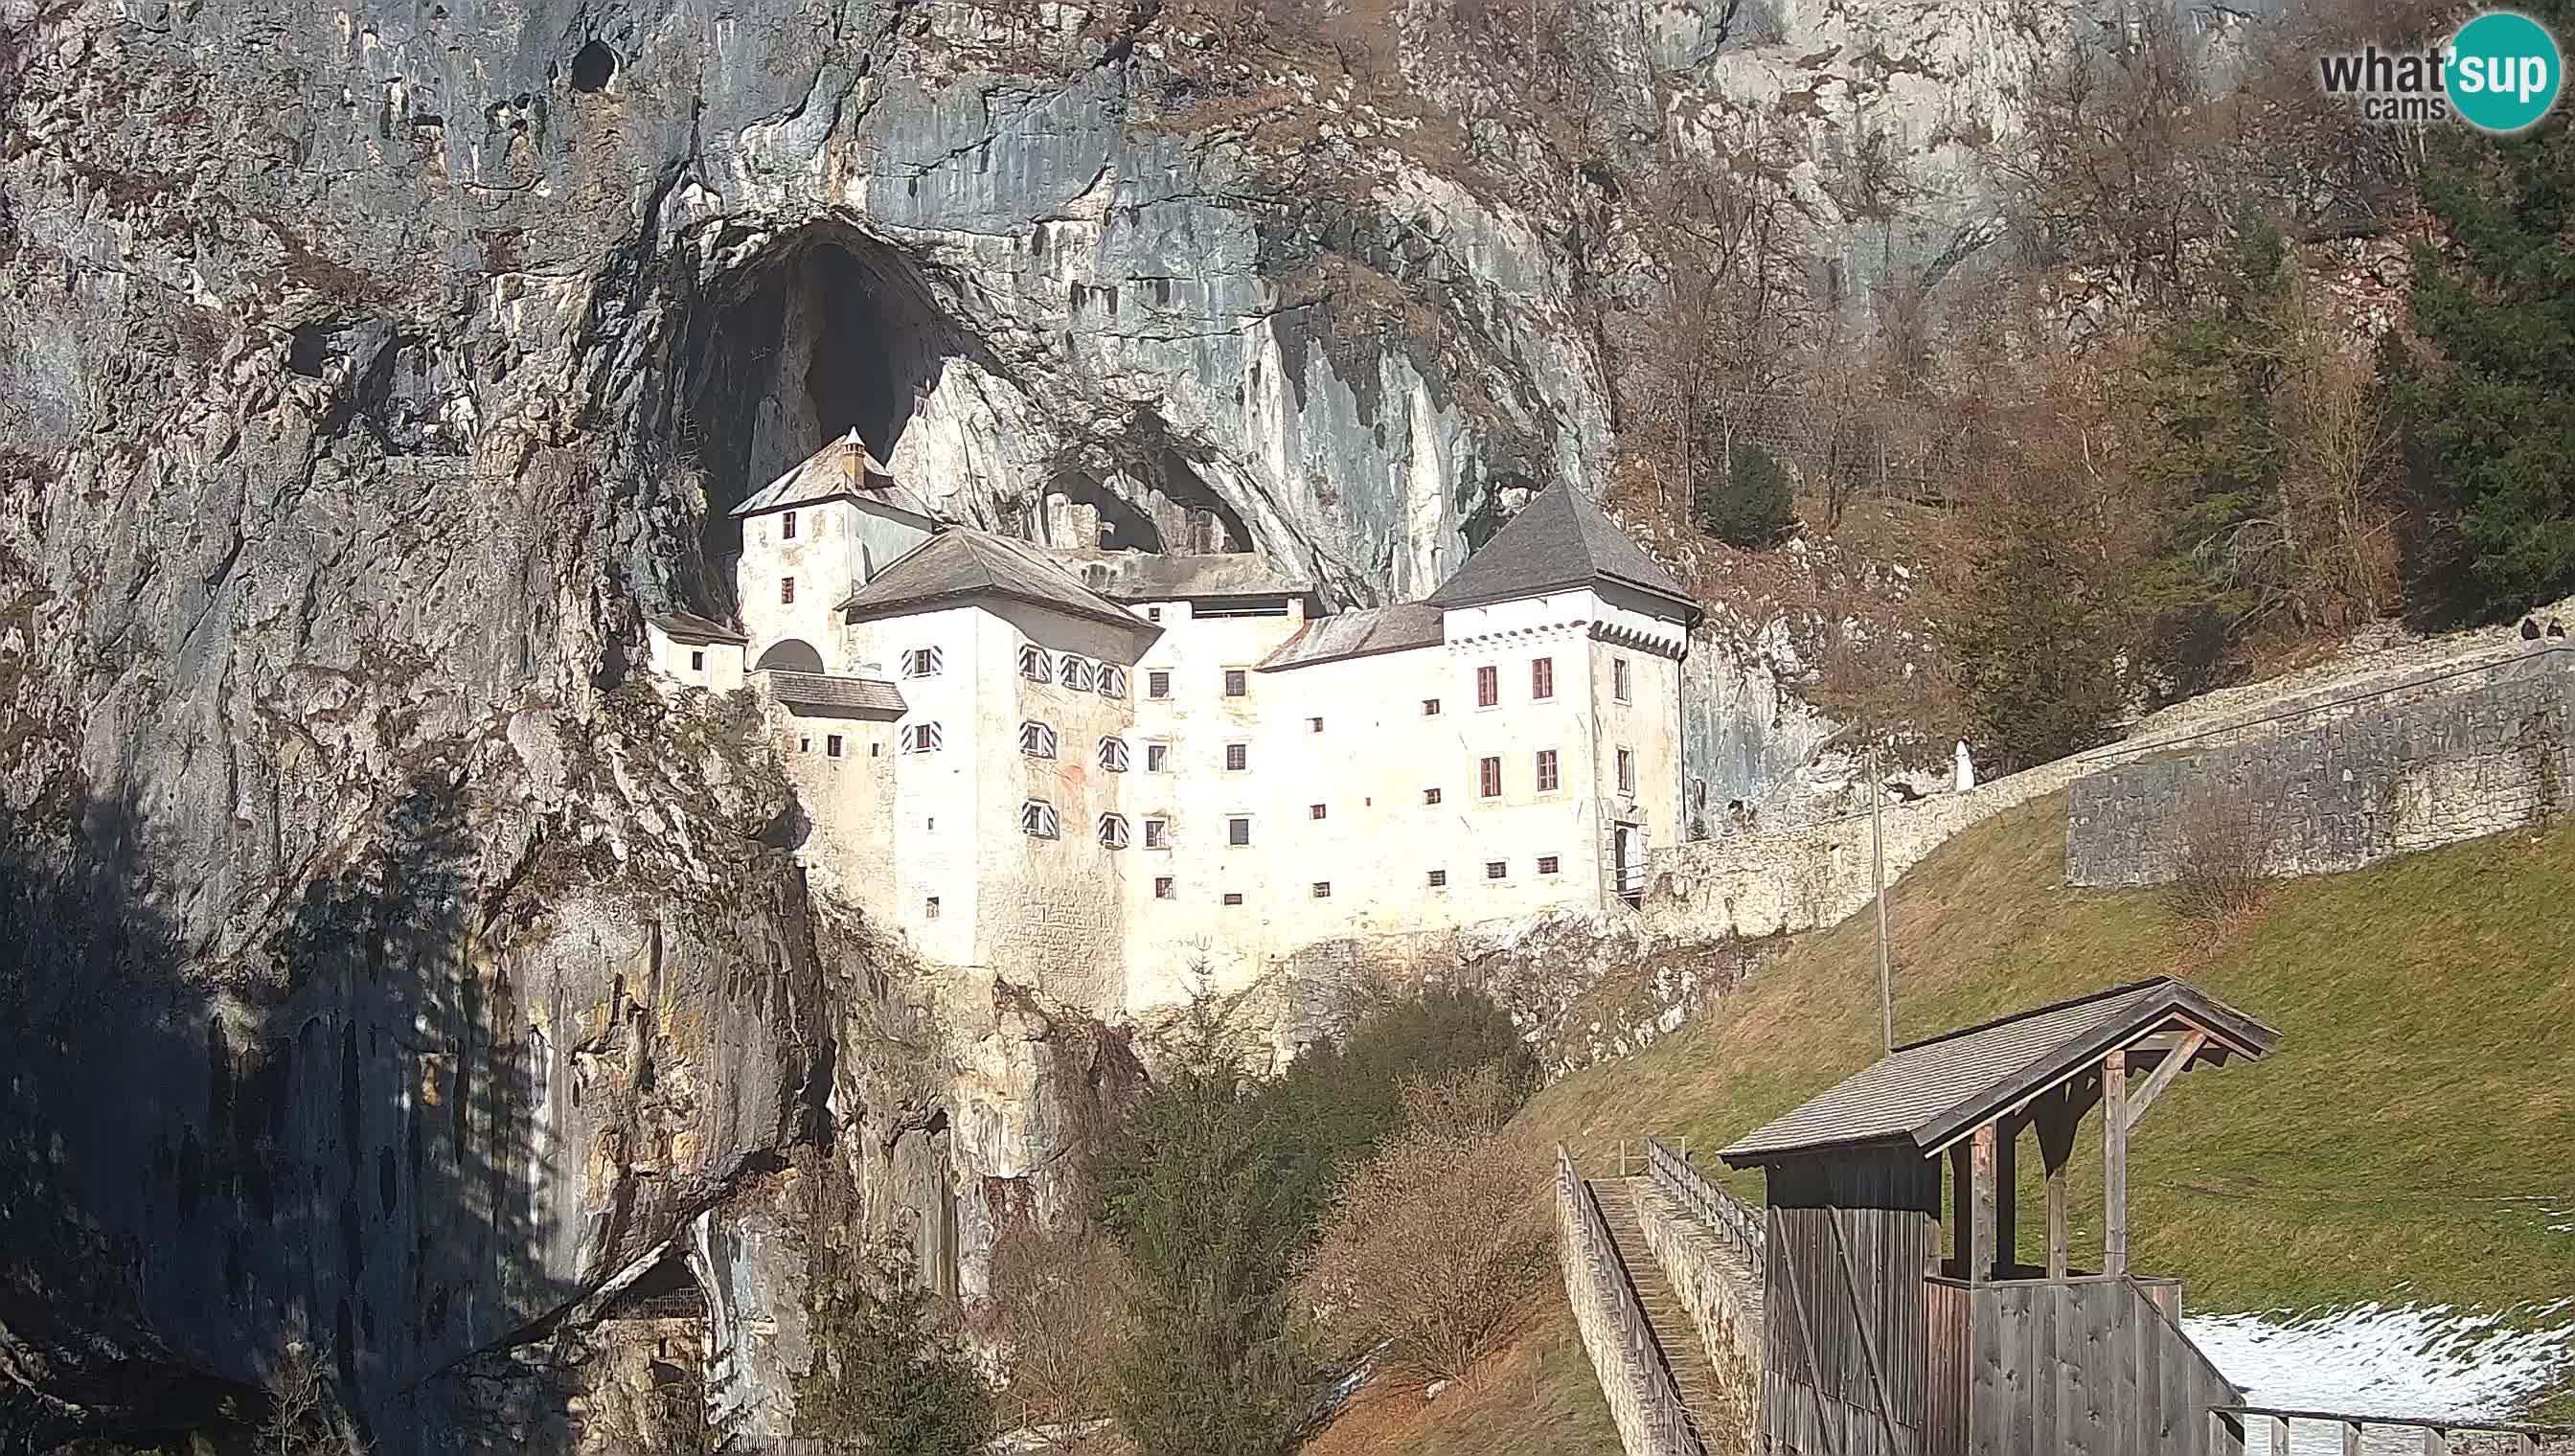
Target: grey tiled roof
1358	635
962	565
844	468
1138	575
820	692
689	627
1560	539
1927	1092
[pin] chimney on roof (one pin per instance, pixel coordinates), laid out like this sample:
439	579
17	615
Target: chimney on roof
853	456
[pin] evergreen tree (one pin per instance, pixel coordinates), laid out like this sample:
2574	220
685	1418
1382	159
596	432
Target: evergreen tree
2492	424
887	1379
2037	661
1750	505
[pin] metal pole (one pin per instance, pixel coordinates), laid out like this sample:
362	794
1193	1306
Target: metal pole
1877	872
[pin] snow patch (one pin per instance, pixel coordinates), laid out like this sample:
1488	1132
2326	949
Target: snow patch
2423	1361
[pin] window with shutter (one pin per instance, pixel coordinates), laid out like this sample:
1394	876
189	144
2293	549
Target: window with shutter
1541	677
1113	754
1489	776
922	738
924	661
1488	686
1113	680
1037	820
1037	739
1077	674
1036	664
1113	830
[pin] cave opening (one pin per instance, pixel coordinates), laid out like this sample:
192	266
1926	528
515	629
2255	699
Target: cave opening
827	332
593	67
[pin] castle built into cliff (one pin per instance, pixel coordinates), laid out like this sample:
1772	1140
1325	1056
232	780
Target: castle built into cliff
1109	773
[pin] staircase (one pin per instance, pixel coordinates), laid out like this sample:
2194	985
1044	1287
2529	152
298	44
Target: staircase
1709	1409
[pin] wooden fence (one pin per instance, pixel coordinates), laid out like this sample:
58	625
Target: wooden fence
2090	1364
1725	1215
1596	1280
2327	1431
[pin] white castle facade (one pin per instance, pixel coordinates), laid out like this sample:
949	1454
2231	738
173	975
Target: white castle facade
1109	773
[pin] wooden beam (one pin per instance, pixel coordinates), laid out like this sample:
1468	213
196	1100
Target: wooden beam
1962	1210
2114	1163
1863	1317
1988	1222
2057	1119
2006	1197
2174	1065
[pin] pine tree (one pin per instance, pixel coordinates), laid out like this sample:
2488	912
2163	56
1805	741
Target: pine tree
888	1379
1750	505
2492	424
2037	660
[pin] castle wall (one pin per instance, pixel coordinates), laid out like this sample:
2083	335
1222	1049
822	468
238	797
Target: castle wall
679	661
822	561
938	795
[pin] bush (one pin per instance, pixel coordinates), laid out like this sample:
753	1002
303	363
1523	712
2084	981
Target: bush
1060	1315
1432	1245
2224	853
1750	505
888	1379
305	1417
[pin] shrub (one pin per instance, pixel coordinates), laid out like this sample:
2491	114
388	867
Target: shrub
887	1377
1061	1314
305	1417
2223	853
1432	1245
1750	503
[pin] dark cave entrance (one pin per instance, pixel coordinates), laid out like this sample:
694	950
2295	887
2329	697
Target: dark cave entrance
826	333
1159	502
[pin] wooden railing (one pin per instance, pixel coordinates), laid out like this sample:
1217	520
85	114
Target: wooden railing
2253	1423
1595	1254
1725	1215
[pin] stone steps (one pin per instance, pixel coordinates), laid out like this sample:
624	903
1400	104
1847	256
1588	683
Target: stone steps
1674	1328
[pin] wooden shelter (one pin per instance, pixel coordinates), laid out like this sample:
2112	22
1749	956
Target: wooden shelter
1876	1342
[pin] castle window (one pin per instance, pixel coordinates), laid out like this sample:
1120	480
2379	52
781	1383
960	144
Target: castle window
1157	758
1323	889
1314	810
1541	677
787	591
922	738
697	662
924	661
1496	868
832	745
930	910
787	527
1488	686
1035	664
1430	708
1037	820
1113	680
1237	757
1236	682
803	743
1313	725
1113	830
1157	833
1430	795
1547	770
1037	739
1233	897
1113	754
1619	679
1439	880
1489	776
1238	831
1077	674
1546	864
1157	685
1627	771
1161	886
1153	614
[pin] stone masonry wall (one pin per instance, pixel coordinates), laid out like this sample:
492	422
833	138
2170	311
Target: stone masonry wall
2379	776
1623	1381
1722	1295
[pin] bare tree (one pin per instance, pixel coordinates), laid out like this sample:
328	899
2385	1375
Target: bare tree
2226	848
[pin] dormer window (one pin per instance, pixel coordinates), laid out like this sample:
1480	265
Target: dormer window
787	527
1036	664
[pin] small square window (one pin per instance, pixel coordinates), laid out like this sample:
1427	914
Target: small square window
1430	795
929	910
1236	682
876	750
697	662
1157	685
1157	833
1157	758
787	591
1430	708
1496	868
1161	886
1488	774
831	746
803	743
1313	725
1233	897
787	527
1153	613
1238	831
1541	677
1439	880
1546	864
1488	686
1237	757
1314	810
1323	889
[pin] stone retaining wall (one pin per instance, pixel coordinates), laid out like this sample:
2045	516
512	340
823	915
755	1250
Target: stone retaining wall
2365	780
1722	1295
1623	1380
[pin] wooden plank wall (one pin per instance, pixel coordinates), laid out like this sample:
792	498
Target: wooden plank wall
2087	1367
1846	1245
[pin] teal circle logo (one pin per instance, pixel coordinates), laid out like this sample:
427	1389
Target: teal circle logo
2502	71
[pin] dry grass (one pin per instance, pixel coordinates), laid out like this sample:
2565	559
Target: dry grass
1536	1396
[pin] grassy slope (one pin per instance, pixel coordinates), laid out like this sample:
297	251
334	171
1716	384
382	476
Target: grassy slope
1535	1397
2427	1017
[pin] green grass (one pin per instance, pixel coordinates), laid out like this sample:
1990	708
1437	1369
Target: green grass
2389	1149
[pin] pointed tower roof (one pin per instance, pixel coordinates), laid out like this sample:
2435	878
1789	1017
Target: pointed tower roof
843	468
964	566
1560	539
